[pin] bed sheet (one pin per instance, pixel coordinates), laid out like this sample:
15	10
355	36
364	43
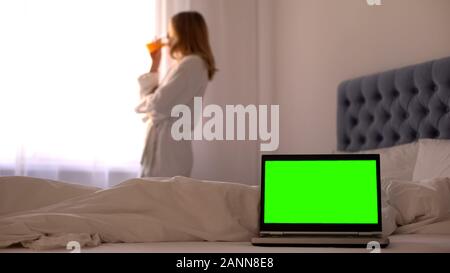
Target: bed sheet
405	243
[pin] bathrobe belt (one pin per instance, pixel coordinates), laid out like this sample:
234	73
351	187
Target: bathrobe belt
149	152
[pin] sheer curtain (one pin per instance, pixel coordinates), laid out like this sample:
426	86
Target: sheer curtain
68	88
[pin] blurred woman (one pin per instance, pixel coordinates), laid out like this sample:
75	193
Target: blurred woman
194	67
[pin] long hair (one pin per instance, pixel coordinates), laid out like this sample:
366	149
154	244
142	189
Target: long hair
192	38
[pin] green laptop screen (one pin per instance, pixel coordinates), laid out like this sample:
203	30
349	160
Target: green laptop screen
320	192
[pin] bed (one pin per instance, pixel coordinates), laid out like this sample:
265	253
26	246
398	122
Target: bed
402	114
399	244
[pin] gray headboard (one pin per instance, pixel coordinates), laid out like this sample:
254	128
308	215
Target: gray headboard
394	107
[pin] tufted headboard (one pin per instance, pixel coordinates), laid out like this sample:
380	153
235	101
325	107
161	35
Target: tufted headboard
394	107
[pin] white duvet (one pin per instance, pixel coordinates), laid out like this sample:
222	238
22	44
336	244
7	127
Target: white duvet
43	214
411	207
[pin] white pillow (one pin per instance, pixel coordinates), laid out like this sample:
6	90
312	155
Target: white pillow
396	162
433	159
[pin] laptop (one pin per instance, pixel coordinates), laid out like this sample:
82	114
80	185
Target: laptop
320	200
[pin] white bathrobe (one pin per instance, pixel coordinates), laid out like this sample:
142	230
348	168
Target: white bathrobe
162	155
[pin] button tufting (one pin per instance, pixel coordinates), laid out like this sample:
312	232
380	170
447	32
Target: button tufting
347	141
379	138
393	111
436	133
395	94
362	139
434	87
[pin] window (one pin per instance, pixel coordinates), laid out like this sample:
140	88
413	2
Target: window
68	88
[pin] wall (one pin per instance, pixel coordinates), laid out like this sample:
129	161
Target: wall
233	29
294	53
319	43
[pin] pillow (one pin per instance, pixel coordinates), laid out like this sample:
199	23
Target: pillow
396	162
433	159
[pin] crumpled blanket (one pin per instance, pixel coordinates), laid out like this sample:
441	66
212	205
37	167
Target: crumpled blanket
409	206
137	210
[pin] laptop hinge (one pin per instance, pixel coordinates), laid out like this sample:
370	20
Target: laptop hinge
281	233
272	233
369	233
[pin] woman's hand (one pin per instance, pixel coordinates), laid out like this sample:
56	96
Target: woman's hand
156	59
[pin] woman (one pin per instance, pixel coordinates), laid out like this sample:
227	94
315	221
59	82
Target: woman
187	78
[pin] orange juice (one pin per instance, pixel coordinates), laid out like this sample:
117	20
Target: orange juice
156	45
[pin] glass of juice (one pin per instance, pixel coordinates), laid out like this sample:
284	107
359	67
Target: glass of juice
157	44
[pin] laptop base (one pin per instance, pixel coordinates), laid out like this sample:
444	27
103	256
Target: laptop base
316	241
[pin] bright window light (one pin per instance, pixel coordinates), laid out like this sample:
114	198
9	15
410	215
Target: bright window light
68	83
